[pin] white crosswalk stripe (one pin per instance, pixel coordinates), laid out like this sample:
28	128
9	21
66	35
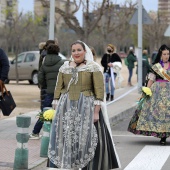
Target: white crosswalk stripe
150	158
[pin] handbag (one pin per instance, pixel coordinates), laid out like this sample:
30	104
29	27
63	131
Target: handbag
7	103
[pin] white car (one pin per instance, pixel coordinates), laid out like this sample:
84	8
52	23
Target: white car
27	64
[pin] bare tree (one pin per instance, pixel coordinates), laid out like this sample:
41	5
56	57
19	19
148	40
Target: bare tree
154	34
114	24
69	11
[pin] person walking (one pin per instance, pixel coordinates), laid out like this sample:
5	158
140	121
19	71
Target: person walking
131	59
110	75
145	67
47	77
80	135
152	117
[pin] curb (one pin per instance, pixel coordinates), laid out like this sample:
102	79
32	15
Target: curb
123	115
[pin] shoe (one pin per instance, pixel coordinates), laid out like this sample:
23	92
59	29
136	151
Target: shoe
34	136
163	141
112	97
130	84
107	96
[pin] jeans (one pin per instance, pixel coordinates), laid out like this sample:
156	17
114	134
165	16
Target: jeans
43	93
108	80
130	74
46	103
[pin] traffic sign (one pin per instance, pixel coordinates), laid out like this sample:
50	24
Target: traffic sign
145	18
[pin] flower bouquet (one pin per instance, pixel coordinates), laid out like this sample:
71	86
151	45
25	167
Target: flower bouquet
47	115
146	94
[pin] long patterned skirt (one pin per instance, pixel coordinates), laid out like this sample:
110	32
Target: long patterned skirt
153	119
77	142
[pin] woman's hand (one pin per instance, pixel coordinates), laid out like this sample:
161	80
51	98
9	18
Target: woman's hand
110	64
96	116
96	112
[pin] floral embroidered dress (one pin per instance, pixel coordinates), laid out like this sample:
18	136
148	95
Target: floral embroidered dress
74	137
153	119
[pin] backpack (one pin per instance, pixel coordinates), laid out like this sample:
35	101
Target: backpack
126	61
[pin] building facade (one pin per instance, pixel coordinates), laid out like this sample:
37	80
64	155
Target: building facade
6	14
164	10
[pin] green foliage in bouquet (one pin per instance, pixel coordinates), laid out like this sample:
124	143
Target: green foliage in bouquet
47	115
146	94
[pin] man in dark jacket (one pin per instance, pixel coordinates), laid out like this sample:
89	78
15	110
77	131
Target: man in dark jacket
4	67
108	58
48	75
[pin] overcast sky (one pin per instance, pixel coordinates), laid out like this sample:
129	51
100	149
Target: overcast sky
28	5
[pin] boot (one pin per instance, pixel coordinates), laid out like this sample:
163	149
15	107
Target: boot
107	97
112	97
163	141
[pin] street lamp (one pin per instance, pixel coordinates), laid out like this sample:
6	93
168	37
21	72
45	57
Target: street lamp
52	19
139	44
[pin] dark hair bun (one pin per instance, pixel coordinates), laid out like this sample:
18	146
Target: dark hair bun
53	49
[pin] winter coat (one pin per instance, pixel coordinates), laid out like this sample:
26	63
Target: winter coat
131	58
4	65
49	71
42	55
107	58
145	68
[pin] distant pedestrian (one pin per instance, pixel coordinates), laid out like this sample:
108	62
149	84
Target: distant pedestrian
110	75
131	59
43	85
49	71
153	56
152	116
43	52
145	66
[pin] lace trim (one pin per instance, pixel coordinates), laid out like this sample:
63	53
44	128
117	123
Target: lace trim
89	67
74	146
97	102
152	76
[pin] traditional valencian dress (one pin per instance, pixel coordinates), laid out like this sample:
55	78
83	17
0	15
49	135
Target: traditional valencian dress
75	140
153	119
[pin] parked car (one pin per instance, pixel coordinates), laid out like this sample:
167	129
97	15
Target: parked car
27	64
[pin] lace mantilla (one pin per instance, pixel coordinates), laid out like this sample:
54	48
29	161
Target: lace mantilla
90	66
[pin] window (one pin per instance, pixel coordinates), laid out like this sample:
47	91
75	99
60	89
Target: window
9	3
29	57
20	59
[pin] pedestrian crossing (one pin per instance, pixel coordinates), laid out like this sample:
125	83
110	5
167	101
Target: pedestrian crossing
138	152
150	158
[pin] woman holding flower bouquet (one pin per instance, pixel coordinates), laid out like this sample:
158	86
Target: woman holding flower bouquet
152	117
80	132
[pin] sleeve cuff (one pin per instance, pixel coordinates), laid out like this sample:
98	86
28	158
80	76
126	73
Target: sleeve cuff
97	102
55	102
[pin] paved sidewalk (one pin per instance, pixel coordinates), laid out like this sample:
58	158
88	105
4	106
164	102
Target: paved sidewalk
117	110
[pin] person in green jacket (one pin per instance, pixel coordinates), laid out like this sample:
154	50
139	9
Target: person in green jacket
145	66
131	58
47	75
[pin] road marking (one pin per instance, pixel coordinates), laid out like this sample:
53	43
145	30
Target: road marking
150	158
125	94
134	136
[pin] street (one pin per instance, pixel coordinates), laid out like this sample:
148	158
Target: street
146	151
